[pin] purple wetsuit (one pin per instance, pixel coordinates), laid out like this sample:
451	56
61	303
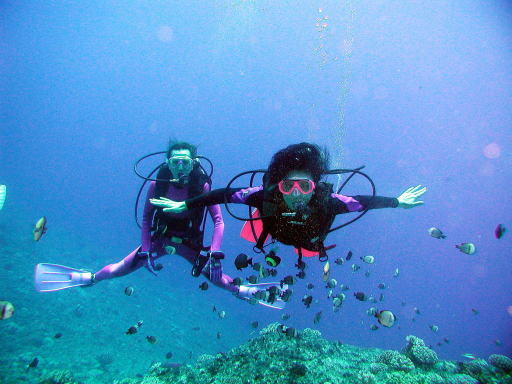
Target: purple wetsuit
133	261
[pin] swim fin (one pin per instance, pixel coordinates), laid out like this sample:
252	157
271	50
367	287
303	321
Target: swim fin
54	277
248	291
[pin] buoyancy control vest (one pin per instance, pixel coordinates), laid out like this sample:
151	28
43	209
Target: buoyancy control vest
164	224
306	228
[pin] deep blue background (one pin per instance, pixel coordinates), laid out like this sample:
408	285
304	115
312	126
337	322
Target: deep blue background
413	90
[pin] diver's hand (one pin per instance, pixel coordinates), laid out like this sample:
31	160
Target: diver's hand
169	205
409	199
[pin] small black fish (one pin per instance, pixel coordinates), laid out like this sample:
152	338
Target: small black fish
132	330
291	332
285	296
33	363
301	275
446	340
339	261
57	335
203	286
360	296
242	261
285	316
290	280
349	255
139	323
273	290
307	300
151	339
381	286
168	355
219	335
373	327
252	279
237	281
254	324
196	329
272	272
318	317
128	291
499	231
214	308
310	286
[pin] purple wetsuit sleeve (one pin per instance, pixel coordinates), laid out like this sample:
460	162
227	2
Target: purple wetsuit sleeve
218	223
147	217
344	204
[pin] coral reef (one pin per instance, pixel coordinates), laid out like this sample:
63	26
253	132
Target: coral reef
58	377
462	379
302	357
447	366
477	369
277	356
418	352
396	361
502	362
377	367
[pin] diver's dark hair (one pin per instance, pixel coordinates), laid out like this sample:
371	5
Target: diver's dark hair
303	156
175	145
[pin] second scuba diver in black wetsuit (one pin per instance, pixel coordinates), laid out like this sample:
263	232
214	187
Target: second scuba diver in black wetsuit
296	208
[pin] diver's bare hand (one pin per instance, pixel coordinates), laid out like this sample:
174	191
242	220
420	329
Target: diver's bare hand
161	202
409	199
169	205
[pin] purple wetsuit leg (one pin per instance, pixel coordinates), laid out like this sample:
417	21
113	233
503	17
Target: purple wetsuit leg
225	282
129	264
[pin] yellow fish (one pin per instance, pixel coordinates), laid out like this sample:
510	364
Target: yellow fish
39	228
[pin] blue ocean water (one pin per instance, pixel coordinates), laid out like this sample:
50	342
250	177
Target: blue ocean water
417	92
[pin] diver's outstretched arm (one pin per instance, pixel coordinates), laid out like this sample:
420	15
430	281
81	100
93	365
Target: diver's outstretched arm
250	196
408	199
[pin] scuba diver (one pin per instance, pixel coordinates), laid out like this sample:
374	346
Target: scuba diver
293	206
180	177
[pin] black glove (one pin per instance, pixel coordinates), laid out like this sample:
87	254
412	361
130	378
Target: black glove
199	263
215	265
